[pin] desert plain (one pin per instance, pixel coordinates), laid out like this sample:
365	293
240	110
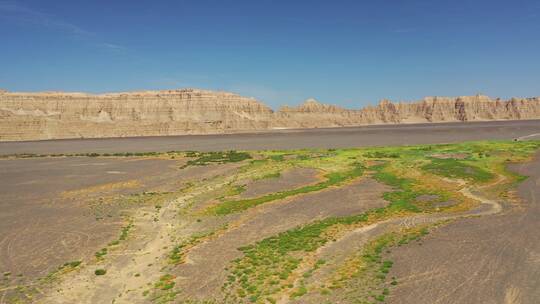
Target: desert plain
433	213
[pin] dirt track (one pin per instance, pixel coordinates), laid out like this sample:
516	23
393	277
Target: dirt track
492	259
383	135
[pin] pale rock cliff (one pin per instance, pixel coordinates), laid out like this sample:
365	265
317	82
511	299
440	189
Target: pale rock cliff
312	114
52	115
28	116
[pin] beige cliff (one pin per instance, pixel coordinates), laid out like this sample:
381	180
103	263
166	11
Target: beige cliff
54	115
312	114
29	116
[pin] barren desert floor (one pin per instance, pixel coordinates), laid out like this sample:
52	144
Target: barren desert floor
376	135
423	223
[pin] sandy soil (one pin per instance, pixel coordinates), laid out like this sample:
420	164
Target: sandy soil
491	259
47	216
34	192
289	179
136	265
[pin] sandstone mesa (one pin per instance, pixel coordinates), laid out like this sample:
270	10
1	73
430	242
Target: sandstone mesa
57	115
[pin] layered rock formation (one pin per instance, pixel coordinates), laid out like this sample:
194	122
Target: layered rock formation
52	115
312	114
29	116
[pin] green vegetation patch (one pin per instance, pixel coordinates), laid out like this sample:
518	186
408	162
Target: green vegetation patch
72	264
125	231
176	256
453	168
165	282
163	290
365	275
267	265
277	157
381	154
100	272
233	190
271	175
101	253
62	269
332	179
404	197
206	158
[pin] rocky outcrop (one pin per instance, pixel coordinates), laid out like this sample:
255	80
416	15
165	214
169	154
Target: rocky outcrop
312	114
51	115
28	116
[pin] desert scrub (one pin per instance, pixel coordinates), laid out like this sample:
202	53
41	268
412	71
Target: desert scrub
478	163
267	267
176	256
101	253
163	290
407	190
365	275
100	272
381	154
453	168
484	162
124	233
300	291
165	282
105	207
332	179
232	190
72	264
206	158
62	269
125	230
277	157
271	175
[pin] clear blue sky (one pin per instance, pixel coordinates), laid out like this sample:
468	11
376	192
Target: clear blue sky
350	53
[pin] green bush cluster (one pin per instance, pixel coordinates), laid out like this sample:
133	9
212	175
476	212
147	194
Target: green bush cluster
125	231
100	272
165	282
101	253
72	264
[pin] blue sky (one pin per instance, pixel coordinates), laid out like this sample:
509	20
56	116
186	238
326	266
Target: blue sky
350	53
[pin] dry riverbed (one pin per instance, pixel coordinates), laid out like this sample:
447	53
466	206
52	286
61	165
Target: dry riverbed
306	226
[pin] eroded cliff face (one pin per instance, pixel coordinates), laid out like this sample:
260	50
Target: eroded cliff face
29	116
312	114
54	115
